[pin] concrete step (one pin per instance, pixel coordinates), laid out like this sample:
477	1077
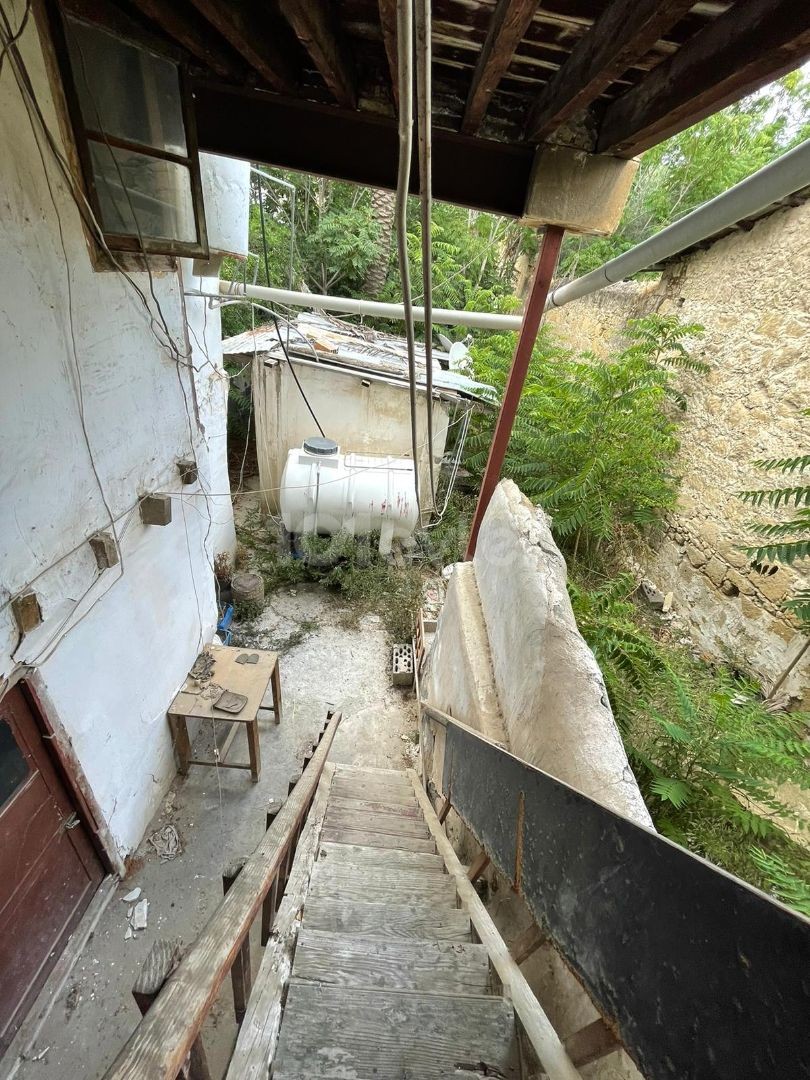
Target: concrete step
352	960
372	1033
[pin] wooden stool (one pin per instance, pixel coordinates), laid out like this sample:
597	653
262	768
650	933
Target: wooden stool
196	702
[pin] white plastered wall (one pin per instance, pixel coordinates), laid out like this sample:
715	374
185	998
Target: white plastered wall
115	644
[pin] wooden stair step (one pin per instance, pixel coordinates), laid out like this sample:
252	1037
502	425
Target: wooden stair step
358	855
381	883
355	789
384	823
398	776
376	806
353	960
337	834
398	920
329	1033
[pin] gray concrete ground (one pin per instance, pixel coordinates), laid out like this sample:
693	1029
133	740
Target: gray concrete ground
219	815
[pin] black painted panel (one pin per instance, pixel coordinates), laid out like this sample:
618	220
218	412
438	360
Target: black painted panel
704	977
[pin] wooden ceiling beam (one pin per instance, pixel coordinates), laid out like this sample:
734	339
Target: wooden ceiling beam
194	34
388	25
624	33
260	51
318	31
754	42
510	21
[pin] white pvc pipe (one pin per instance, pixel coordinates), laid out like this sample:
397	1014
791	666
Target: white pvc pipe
771	184
481	320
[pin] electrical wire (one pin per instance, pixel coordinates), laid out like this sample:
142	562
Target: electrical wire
405	68
423	99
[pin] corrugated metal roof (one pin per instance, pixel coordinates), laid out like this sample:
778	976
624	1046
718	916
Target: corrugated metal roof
332	341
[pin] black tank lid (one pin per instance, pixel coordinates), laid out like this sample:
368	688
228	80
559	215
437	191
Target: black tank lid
316	444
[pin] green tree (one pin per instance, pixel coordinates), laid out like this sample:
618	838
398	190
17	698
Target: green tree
699	163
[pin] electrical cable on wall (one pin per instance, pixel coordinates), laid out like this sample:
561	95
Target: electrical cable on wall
405	68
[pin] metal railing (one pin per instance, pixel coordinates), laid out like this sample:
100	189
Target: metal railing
695	972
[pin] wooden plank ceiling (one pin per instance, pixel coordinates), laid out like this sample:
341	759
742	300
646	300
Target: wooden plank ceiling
607	76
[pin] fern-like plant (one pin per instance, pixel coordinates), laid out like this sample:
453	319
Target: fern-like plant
723	758
594	441
782	881
627	655
787	541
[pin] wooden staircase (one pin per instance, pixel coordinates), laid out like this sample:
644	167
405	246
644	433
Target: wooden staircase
386	982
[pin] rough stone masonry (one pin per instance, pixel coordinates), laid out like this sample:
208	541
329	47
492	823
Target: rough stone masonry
750	292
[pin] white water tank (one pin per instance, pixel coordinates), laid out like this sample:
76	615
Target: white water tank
324	491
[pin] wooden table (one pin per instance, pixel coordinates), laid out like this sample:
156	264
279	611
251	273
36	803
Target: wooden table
196	702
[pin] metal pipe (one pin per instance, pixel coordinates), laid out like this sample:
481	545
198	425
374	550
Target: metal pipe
535	306
478	320
404	65
768	185
423	100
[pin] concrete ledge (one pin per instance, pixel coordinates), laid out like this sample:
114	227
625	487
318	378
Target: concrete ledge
458	676
584	193
549	686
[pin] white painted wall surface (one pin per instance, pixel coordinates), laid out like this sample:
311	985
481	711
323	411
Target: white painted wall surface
115	644
372	419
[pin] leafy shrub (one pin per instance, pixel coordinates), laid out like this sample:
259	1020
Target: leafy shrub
594	441
709	758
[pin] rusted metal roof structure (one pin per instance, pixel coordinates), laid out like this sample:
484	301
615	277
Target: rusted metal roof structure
311	86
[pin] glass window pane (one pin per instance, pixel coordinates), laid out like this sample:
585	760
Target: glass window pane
13	766
134	187
125	91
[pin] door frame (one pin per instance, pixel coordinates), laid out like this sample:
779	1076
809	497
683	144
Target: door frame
59	749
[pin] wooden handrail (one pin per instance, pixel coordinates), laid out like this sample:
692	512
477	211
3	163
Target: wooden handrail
159	1045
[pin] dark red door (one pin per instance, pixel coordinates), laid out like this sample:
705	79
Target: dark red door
49	869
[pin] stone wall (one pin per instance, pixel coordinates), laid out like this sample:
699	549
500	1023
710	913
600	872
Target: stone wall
749	290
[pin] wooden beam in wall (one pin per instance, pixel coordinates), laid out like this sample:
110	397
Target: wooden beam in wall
388	25
195	35
625	32
317	29
261	51
754	42
510	21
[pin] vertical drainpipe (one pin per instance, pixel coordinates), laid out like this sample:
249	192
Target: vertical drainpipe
532	317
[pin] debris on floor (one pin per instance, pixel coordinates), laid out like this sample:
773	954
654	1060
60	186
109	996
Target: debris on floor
132	896
140	915
166	842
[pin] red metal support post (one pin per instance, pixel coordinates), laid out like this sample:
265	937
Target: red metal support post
532	317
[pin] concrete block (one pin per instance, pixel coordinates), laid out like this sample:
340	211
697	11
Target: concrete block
402	665
27	612
584	193
105	550
156	509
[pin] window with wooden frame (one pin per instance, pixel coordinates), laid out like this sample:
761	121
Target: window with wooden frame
134	130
